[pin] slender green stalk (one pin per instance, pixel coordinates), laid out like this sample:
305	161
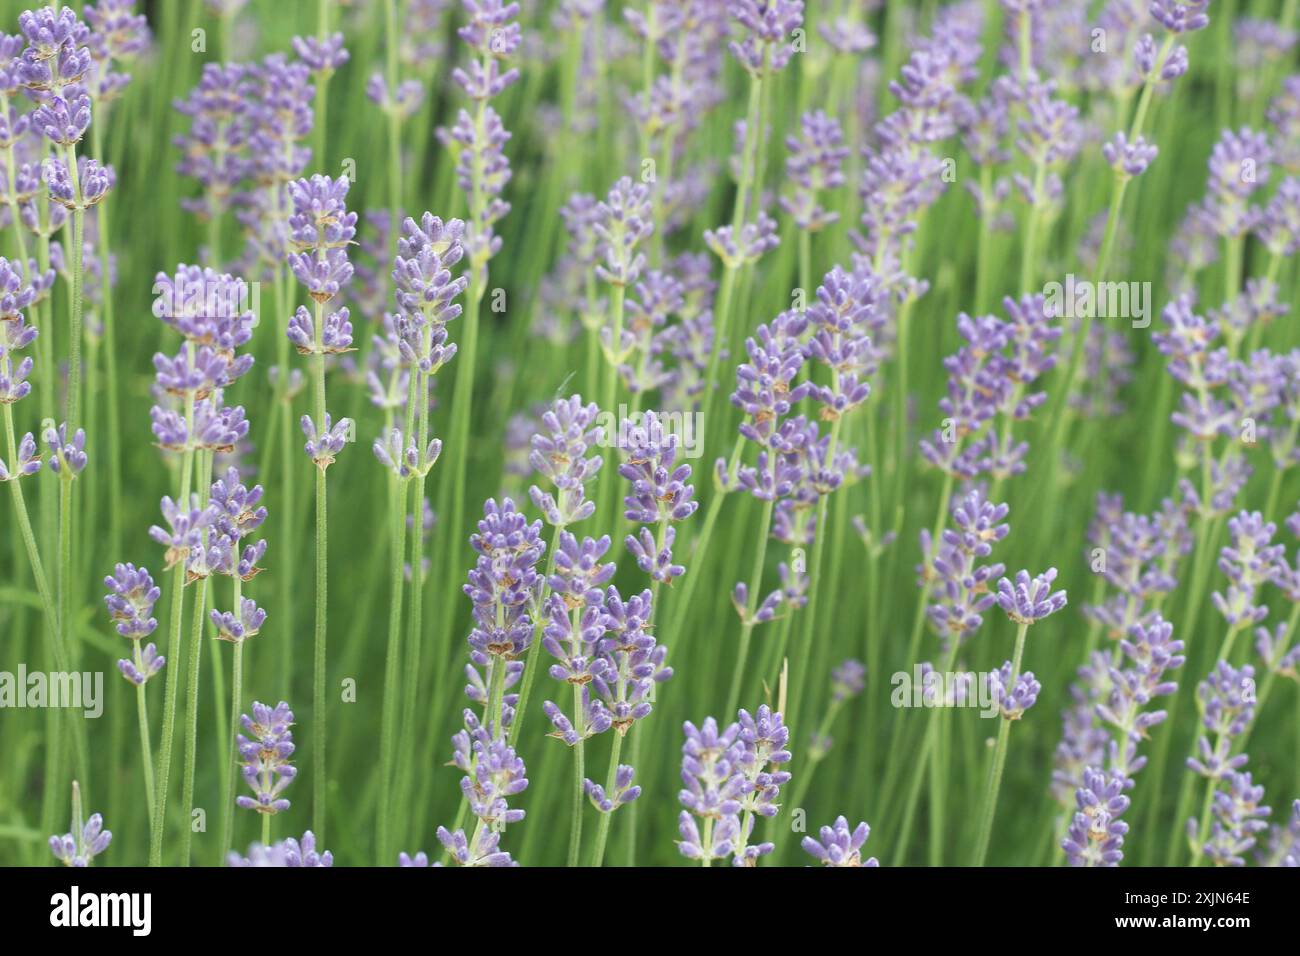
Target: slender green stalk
747	629
999	759
319	776
530	662
192	718
575	825
232	755
146	751
602	828
76	258
392	656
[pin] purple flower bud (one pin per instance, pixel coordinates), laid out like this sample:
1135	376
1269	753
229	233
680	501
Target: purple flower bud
837	845
81	848
1128	159
130	600
147	663
1030	599
321	55
67	458
325	443
265	753
1096	834
28	463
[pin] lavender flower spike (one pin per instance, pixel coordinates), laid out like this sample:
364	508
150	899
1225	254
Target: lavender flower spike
839	846
130	600
286	853
1096	834
324	444
265	752
1030	599
85	841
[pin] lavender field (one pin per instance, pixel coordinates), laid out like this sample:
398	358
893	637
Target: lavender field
650	433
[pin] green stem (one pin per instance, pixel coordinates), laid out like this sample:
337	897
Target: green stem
146	751
319	777
232	755
747	630
575	826
999	759
388	719
602	829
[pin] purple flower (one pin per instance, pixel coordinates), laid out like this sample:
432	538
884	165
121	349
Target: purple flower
67	458
1181	16
324	444
1128	159
713	787
1030	599
620	224
28	463
498	774
624	791
402	102
320	230
79	849
1013	699
484	852
426	252
1238	817
213	151
1096	834
847	680
238	628
1249	561
837	845
206	307
559	455
279	118
147	662
265	753
130	600
1226	700
629	661
766	44
962	579
849	314
335	337
1140	555
63	121
745	247
503	583
287	853
813	165
93	182
321	55
660	494
185	531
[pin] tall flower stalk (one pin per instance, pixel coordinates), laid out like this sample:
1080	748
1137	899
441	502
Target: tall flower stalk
320	230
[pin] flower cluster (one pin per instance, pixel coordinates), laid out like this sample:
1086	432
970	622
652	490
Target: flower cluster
989	382
559	454
80	847
289	852
483	169
130	600
265	753
837	845
660	495
237	513
732	776
960	576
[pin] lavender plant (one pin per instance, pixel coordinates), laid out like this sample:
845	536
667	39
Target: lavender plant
636	202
